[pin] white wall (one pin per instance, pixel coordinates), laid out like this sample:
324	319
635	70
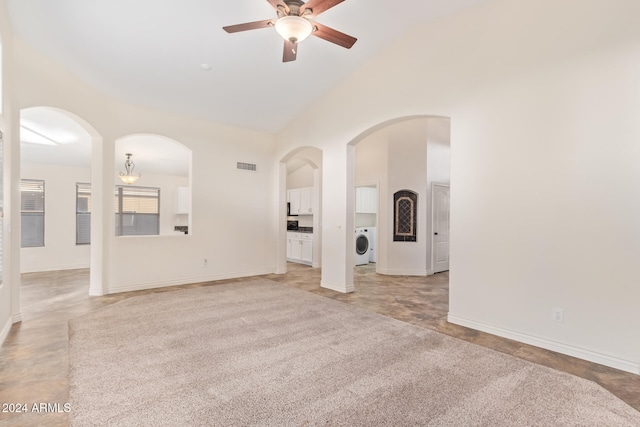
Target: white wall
407	158
300	178
438	171
60	251
542	97
371	170
9	289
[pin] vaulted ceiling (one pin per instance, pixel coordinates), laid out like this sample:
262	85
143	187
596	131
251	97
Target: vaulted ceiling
174	56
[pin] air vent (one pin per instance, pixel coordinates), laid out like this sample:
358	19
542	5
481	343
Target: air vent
247	166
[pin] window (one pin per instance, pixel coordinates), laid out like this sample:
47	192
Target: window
137	211
32	213
83	214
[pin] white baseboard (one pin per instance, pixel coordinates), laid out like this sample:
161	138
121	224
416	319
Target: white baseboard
390	272
5	330
184	281
17	318
338	288
96	292
581	353
34	269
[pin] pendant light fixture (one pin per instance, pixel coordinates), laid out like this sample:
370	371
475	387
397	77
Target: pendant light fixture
128	177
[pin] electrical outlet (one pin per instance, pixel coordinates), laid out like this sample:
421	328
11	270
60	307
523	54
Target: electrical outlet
558	314
205	263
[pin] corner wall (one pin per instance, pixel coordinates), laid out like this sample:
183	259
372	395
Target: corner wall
543	101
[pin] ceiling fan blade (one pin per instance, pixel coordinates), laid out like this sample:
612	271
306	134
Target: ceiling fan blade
319	6
333	36
267	23
281	3
290	51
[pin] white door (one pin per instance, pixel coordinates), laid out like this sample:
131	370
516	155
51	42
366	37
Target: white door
440	206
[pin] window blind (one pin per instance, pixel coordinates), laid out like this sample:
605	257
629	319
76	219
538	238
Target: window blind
137	211
83	214
32	213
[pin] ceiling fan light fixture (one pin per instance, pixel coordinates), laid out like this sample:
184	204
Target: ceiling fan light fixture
294	28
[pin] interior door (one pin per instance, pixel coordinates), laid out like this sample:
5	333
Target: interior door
440	206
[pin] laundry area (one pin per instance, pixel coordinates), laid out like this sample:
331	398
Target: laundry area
365	231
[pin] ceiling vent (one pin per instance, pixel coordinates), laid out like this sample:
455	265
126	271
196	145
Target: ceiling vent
247	166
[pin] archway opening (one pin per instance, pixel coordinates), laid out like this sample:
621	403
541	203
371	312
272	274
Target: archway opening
301	194
158	202
60	215
409	154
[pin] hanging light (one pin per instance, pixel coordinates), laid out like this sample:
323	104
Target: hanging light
128	177
294	28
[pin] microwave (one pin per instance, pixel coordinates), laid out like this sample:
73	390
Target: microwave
292	225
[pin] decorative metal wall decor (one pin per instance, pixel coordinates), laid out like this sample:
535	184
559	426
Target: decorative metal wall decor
405	214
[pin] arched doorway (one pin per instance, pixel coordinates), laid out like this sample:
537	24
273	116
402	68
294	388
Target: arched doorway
300	173
404	154
59	147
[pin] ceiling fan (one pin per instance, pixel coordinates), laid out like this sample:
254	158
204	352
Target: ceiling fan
294	24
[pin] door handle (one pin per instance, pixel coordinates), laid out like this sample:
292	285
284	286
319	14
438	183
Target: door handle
436	233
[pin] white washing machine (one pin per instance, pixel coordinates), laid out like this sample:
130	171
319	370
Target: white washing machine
373	250
362	245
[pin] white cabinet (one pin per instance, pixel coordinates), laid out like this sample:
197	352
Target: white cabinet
306	252
306	198
182	201
300	200
300	247
366	200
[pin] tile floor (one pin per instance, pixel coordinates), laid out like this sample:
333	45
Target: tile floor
34	359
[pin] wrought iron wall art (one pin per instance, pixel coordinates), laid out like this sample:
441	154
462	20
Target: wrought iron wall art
405	214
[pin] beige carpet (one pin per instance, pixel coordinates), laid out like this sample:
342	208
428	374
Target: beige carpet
261	353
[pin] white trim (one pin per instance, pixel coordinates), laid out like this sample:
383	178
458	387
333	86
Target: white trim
96	292
184	281
338	288
392	272
581	353
55	268
5	331
17	317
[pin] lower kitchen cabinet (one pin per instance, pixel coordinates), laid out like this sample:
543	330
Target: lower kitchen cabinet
300	247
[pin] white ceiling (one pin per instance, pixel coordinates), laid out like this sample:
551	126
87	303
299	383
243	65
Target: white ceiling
50	137
150	52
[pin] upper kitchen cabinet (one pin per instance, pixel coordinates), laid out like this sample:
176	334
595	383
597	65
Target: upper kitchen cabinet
300	200
183	205
366	200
